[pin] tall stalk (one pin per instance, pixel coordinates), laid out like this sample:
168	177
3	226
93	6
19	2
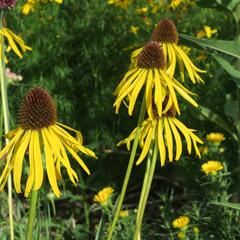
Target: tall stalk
129	169
5	110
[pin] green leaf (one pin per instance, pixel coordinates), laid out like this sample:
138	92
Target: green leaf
207	114
231	109
228	67
229	47
227	204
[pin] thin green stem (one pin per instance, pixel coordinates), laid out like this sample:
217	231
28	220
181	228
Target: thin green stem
129	169
32	214
5	110
141	210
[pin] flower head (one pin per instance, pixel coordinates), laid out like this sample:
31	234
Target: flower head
134	29
181	222
28	7
215	137
46	141
7	3
103	196
212	167
166	33
165	130
159	87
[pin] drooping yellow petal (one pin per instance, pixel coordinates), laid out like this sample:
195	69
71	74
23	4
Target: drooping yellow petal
141	80
172	60
31	177
38	171
169	140
147	145
50	166
185	132
177	139
169	83
161	143
160	93
20	152
148	91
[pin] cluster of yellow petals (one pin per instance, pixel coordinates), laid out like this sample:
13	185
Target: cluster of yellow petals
103	196
14	42
212	167
215	138
181	222
206	32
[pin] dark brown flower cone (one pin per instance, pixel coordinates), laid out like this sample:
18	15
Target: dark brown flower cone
165	31
151	56
37	110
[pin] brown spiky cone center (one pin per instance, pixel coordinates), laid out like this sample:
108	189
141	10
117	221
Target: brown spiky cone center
165	31
151	56
37	110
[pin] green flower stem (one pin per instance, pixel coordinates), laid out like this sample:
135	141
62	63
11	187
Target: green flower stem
3	83
32	214
129	169
146	175
141	209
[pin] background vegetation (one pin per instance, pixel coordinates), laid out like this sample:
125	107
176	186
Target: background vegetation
81	50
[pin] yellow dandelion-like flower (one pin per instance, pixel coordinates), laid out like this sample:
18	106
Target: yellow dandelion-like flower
166	33
28	7
165	130
103	196
181	222
212	167
14	42
142	10
46	142
120	3
123	213
150	71
215	137
206	32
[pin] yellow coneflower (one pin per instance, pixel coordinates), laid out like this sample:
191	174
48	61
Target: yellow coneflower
14	42
166	33
45	140
103	196
215	137
212	167
181	222
163	130
150	71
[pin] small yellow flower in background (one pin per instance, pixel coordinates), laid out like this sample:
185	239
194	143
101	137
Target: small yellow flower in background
206	32
103	196
46	140
14	42
211	167
142	10
215	137
181	222
203	150
147	21
124	4
28	7
123	213
175	3
134	29
196	230
181	235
